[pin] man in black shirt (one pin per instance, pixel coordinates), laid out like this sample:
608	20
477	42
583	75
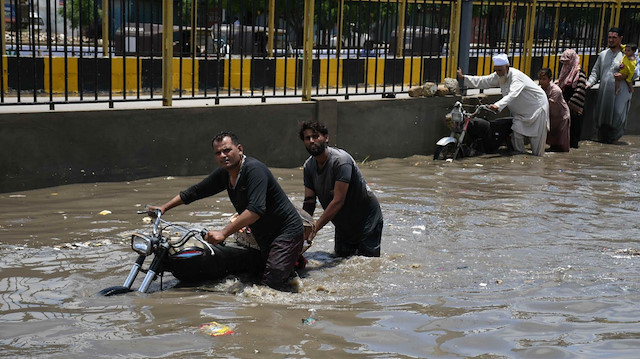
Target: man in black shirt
261	203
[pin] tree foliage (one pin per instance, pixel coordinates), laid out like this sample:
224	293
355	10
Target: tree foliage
83	13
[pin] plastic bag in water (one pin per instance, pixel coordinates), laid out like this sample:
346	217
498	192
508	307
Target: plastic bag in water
215	329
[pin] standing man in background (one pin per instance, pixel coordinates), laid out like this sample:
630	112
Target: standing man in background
611	110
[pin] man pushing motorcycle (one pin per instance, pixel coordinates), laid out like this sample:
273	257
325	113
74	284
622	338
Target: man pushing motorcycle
260	202
527	102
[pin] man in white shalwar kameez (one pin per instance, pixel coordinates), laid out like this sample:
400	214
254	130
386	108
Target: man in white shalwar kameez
526	100
611	110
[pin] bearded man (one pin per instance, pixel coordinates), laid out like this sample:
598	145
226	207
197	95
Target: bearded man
331	175
525	99
611	109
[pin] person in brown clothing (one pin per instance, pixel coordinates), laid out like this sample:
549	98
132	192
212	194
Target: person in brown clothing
573	82
559	117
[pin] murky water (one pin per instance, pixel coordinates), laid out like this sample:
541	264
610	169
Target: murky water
493	257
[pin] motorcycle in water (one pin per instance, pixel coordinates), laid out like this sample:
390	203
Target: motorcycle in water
471	134
185	254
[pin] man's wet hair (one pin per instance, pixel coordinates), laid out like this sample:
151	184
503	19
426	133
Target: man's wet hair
633	47
616	30
547	72
315	126
220	136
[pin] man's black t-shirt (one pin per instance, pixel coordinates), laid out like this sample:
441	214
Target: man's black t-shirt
258	191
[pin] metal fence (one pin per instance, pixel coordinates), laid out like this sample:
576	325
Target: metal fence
535	33
70	51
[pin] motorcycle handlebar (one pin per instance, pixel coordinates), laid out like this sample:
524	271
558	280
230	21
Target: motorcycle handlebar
157	214
480	108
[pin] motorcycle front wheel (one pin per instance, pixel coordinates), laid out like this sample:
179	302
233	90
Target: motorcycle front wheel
445	152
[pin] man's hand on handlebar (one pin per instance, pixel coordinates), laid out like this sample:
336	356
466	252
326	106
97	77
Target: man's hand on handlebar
493	107
214	237
151	210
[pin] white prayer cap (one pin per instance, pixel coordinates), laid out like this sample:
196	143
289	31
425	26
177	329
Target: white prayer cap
500	60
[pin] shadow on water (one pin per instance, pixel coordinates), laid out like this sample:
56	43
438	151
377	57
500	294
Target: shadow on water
491	256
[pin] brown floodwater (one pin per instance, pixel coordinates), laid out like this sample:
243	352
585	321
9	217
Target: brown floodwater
494	257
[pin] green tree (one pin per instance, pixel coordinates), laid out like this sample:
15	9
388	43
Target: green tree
82	13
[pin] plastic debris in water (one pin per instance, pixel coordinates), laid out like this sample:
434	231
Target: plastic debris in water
215	329
311	319
308	321
105	212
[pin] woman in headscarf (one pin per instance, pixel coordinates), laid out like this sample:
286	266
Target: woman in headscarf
573	81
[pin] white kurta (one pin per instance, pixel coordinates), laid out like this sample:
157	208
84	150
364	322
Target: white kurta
526	100
611	109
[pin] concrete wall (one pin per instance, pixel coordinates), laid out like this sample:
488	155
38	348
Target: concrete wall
55	148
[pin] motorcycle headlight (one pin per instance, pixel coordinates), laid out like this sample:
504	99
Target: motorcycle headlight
141	244
456	115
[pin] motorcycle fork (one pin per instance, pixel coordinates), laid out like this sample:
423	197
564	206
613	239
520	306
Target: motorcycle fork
134	272
154	268
461	137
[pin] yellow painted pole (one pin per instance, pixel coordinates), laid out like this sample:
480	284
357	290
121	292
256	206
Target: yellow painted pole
525	44
612	15
554	43
272	28
510	26
167	52
531	21
400	31
307	53
618	9
454	40
105	28
601	29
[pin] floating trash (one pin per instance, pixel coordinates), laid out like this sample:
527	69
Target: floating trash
105	212
308	321
311	320
628	251
76	245
215	329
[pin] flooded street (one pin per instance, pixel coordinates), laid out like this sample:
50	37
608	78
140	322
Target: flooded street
498	257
